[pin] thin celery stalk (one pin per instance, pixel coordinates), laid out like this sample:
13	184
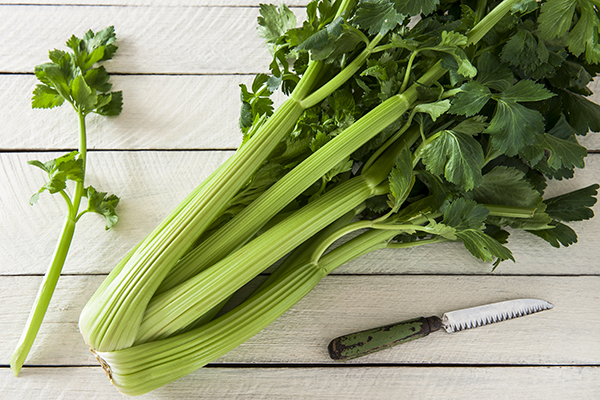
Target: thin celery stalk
44	295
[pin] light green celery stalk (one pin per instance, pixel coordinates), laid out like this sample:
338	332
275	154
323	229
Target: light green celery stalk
136	280
64	79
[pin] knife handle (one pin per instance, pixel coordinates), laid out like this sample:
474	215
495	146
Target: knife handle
366	342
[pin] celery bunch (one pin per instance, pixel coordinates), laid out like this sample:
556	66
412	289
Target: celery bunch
442	131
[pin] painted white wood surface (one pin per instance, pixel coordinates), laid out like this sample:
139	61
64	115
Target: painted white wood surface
157	39
322	383
159	112
151	184
566	335
183	63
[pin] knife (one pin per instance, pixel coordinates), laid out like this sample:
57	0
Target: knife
369	341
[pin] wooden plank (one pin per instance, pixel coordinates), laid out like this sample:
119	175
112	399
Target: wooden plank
174	40
369	383
160	112
154	3
341	304
151	184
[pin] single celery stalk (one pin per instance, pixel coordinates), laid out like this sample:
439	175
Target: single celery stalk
63	80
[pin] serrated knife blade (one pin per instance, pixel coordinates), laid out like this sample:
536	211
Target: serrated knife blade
369	341
490	313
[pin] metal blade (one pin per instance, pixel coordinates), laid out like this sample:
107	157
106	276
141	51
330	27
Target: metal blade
488	314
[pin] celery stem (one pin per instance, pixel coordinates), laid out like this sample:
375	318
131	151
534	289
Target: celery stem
44	295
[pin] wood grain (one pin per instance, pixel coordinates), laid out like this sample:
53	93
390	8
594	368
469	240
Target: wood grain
565	335
151	184
170	3
369	383
159	112
163	40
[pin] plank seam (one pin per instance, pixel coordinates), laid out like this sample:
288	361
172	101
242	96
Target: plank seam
347	366
137	5
366	274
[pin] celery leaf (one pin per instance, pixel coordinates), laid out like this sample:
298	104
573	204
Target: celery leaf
457	156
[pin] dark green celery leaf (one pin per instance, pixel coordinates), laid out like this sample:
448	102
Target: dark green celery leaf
439	192
573	206
582	114
377	204
103	204
457	156
535	58
559	234
452	44
524	51
401	180
471	99
514	126
497	233
493	74
571	75
472	126
525	90
465	214
84	97
274	21
484	247
434	110
415	7
559	18
93	47
564	153
109	103
468	18
558	149
377	16
506	186
255	102
556	18
97	79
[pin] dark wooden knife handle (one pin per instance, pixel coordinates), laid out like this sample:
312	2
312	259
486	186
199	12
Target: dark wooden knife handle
366	342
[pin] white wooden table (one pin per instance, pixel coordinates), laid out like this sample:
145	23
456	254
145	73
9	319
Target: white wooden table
179	66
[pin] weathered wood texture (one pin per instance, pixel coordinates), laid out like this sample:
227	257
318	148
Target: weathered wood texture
162	3
179	66
565	335
163	40
370	383
151	184
160	112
